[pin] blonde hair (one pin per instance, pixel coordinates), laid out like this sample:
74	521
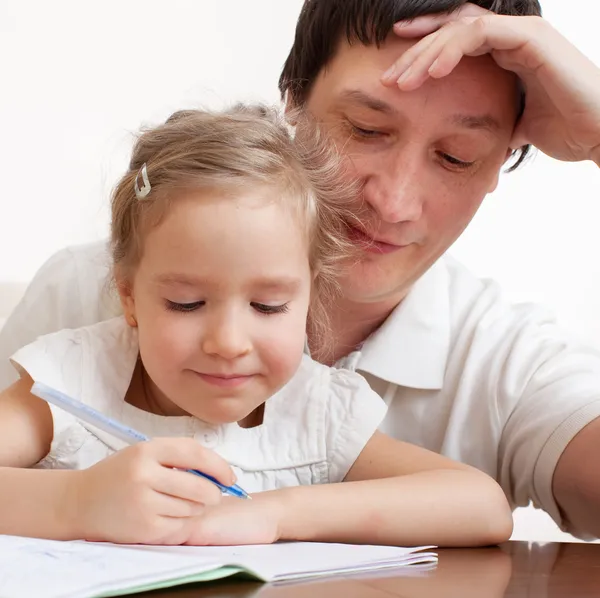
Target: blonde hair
229	150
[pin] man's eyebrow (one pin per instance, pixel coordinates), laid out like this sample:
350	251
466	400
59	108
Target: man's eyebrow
468	121
356	96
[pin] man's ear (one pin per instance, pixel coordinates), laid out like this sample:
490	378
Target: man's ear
291	110
125	289
496	178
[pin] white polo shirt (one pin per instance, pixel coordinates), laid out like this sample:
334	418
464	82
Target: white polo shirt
465	373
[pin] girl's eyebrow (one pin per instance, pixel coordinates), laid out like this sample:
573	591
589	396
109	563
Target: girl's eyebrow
179	278
277	283
285	282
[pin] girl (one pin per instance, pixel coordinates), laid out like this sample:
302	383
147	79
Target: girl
224	233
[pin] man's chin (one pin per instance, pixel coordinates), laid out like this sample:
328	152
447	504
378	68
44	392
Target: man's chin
375	293
384	279
363	285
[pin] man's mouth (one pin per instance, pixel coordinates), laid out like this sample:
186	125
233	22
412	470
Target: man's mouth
371	244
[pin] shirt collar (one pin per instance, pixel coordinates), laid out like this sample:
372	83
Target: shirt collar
411	347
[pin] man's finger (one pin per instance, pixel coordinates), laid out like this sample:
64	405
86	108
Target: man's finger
422	26
439	58
397	69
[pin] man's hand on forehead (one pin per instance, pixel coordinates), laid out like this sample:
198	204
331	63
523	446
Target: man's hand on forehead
442	45
562	113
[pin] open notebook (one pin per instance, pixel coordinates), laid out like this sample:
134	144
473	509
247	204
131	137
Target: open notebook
50	569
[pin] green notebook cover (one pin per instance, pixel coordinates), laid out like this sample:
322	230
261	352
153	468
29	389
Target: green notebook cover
220	573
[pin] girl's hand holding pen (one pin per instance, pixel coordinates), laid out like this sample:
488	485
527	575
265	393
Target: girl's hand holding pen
138	495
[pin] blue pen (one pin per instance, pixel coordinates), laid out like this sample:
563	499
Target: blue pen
114	428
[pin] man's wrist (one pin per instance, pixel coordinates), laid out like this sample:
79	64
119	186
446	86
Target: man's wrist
595	155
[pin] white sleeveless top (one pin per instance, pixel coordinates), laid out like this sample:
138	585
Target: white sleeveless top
313	430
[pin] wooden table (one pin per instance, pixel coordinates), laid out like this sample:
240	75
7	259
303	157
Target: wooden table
516	569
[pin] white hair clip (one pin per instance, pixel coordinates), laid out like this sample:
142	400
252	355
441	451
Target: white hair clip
142	193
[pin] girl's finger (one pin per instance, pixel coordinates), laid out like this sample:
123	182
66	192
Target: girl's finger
186	486
175	508
186	453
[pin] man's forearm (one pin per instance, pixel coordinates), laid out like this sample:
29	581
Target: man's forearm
33	503
576	483
580	507
596	155
446	508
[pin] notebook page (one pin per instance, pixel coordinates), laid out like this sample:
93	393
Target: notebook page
288	560
84	570
307	559
31	567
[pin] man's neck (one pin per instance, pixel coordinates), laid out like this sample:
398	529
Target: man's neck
351	323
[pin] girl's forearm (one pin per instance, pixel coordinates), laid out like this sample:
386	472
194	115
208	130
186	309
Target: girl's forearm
35	503
441	507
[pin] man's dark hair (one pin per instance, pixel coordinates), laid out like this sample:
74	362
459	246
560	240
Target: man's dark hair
323	23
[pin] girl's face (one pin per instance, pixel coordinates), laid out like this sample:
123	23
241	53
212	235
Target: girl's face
220	297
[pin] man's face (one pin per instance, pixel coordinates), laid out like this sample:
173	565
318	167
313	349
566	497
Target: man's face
425	158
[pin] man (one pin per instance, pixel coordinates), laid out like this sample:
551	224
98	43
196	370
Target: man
464	373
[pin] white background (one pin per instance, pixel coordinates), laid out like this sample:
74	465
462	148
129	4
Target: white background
77	79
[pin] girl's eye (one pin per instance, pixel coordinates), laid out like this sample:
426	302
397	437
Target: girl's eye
455	162
270	309
184	307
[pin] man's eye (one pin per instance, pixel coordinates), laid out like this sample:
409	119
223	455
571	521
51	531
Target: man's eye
184	307
270	309
364	133
455	162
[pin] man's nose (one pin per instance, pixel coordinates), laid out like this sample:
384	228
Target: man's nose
396	190
226	337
